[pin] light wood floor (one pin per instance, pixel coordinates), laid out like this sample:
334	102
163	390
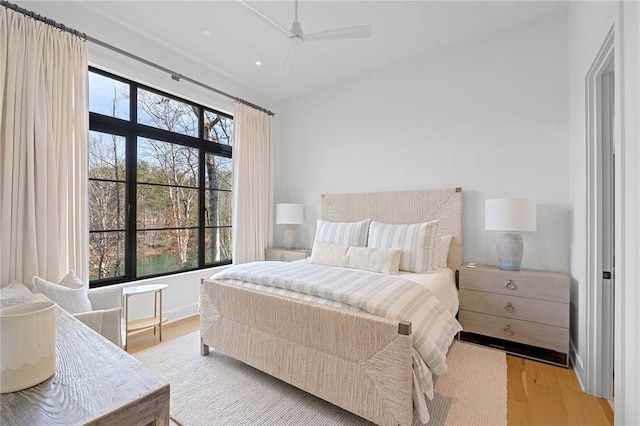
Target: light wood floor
145	339
537	393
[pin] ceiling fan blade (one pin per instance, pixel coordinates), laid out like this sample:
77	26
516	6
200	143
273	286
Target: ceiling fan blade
294	45
266	18
362	31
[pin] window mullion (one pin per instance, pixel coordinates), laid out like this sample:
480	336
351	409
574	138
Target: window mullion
201	210
132	167
201	193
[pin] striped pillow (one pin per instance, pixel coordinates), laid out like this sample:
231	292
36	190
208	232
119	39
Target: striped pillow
417	242
352	234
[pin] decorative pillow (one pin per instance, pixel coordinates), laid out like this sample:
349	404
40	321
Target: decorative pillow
442	251
386	261
14	290
70	294
329	254
417	242
353	234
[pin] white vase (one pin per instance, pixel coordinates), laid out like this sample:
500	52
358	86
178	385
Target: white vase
510	249
290	237
28	350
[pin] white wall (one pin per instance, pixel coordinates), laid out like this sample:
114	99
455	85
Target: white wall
489	116
627	390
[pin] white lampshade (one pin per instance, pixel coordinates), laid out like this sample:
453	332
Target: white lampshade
510	214
289	214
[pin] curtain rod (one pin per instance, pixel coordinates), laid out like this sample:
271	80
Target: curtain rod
174	75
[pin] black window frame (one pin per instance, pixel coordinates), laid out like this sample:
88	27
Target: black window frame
131	130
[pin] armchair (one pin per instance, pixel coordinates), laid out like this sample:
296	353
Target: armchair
100	309
106	316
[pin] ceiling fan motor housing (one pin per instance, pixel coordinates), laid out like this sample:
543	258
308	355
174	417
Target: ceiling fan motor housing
296	29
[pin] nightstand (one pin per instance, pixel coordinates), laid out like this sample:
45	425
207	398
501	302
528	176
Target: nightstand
284	255
524	312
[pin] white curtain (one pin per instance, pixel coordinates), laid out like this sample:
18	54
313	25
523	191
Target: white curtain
43	152
252	184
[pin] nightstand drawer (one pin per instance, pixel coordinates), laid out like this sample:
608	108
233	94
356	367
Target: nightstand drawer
544	336
284	255
541	311
541	285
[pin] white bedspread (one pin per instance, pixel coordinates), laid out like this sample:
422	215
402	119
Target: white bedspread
432	324
441	282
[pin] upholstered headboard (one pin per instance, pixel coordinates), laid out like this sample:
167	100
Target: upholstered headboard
403	207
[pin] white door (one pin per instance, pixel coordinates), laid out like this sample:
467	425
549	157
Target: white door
608	228
600	220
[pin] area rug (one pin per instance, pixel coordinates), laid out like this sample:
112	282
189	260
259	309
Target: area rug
218	390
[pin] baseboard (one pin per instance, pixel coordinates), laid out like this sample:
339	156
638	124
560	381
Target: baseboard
536	353
182	312
578	365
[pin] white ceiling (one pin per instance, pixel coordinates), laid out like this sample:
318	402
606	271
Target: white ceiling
401	30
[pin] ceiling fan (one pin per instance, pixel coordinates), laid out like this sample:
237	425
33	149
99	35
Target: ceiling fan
297	36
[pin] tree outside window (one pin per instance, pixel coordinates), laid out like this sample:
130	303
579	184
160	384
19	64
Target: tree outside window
160	182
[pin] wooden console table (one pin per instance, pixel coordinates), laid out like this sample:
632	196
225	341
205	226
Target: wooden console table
95	383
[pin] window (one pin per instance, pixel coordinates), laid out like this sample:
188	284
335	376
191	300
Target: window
160	182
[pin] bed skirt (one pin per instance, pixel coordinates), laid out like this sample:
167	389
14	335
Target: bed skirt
357	361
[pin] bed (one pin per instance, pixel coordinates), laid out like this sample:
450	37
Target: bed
340	348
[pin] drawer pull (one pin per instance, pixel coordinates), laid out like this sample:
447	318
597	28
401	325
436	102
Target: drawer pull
509	308
510	285
282	258
508	331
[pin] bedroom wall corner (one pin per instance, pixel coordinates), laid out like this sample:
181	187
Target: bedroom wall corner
452	118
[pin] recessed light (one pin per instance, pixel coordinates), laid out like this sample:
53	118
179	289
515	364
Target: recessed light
258	63
205	32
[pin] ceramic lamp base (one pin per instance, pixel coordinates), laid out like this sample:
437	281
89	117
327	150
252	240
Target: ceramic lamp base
510	248
290	237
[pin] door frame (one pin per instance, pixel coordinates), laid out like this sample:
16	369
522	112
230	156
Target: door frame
599	359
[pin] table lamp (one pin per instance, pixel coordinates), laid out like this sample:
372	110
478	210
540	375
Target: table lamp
289	215
510	215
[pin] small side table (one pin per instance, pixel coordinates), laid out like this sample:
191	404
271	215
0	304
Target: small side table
285	255
151	322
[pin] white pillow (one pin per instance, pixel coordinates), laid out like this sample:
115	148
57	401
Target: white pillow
329	254
385	261
442	251
353	234
14	290
70	294
417	242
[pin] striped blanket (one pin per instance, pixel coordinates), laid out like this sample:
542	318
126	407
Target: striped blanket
433	326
